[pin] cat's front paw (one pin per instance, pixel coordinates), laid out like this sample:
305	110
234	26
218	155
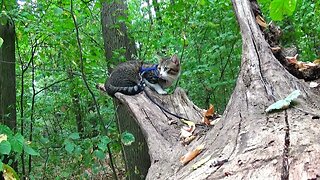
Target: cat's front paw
162	92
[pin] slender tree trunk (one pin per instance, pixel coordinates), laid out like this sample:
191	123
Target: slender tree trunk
114	31
247	143
7	75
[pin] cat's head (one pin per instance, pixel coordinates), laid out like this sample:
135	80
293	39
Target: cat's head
169	68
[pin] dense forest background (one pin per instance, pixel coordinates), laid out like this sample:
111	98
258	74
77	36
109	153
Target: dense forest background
60	57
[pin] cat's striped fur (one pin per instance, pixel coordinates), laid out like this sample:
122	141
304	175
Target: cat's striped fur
130	77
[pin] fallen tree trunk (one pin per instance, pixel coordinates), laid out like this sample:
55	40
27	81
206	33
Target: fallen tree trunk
246	143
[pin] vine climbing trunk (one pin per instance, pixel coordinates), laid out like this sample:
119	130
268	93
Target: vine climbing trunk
247	142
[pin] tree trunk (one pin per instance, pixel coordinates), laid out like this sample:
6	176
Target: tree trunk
8	81
114	31
246	143
117	44
7	75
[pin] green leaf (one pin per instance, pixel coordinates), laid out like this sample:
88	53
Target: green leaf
99	154
58	11
5	130
284	103
127	138
44	140
74	136
1	42
29	150
279	8
69	147
77	150
203	2
17	143
104	141
5	147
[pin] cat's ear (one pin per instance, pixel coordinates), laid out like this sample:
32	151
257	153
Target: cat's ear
175	59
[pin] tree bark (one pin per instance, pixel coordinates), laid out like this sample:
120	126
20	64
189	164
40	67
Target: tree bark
157	140
7	75
246	143
115	31
117	44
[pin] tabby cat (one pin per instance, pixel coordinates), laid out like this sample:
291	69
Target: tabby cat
130	77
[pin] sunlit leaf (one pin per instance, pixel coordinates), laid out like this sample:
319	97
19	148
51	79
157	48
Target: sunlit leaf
127	138
3	137
280	8
1	42
203	2
9	173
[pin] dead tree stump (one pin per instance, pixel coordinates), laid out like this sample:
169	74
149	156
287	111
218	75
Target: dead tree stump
247	143
156	132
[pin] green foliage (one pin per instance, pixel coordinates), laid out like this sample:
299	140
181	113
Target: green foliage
5	148
204	33
55	107
301	29
127	138
12	145
280	8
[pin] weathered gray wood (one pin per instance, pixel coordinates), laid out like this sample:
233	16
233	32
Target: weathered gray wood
137	114
280	145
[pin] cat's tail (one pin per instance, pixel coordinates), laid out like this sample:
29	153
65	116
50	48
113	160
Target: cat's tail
129	90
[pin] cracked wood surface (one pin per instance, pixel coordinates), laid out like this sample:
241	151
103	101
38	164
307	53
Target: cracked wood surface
256	145
162	139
